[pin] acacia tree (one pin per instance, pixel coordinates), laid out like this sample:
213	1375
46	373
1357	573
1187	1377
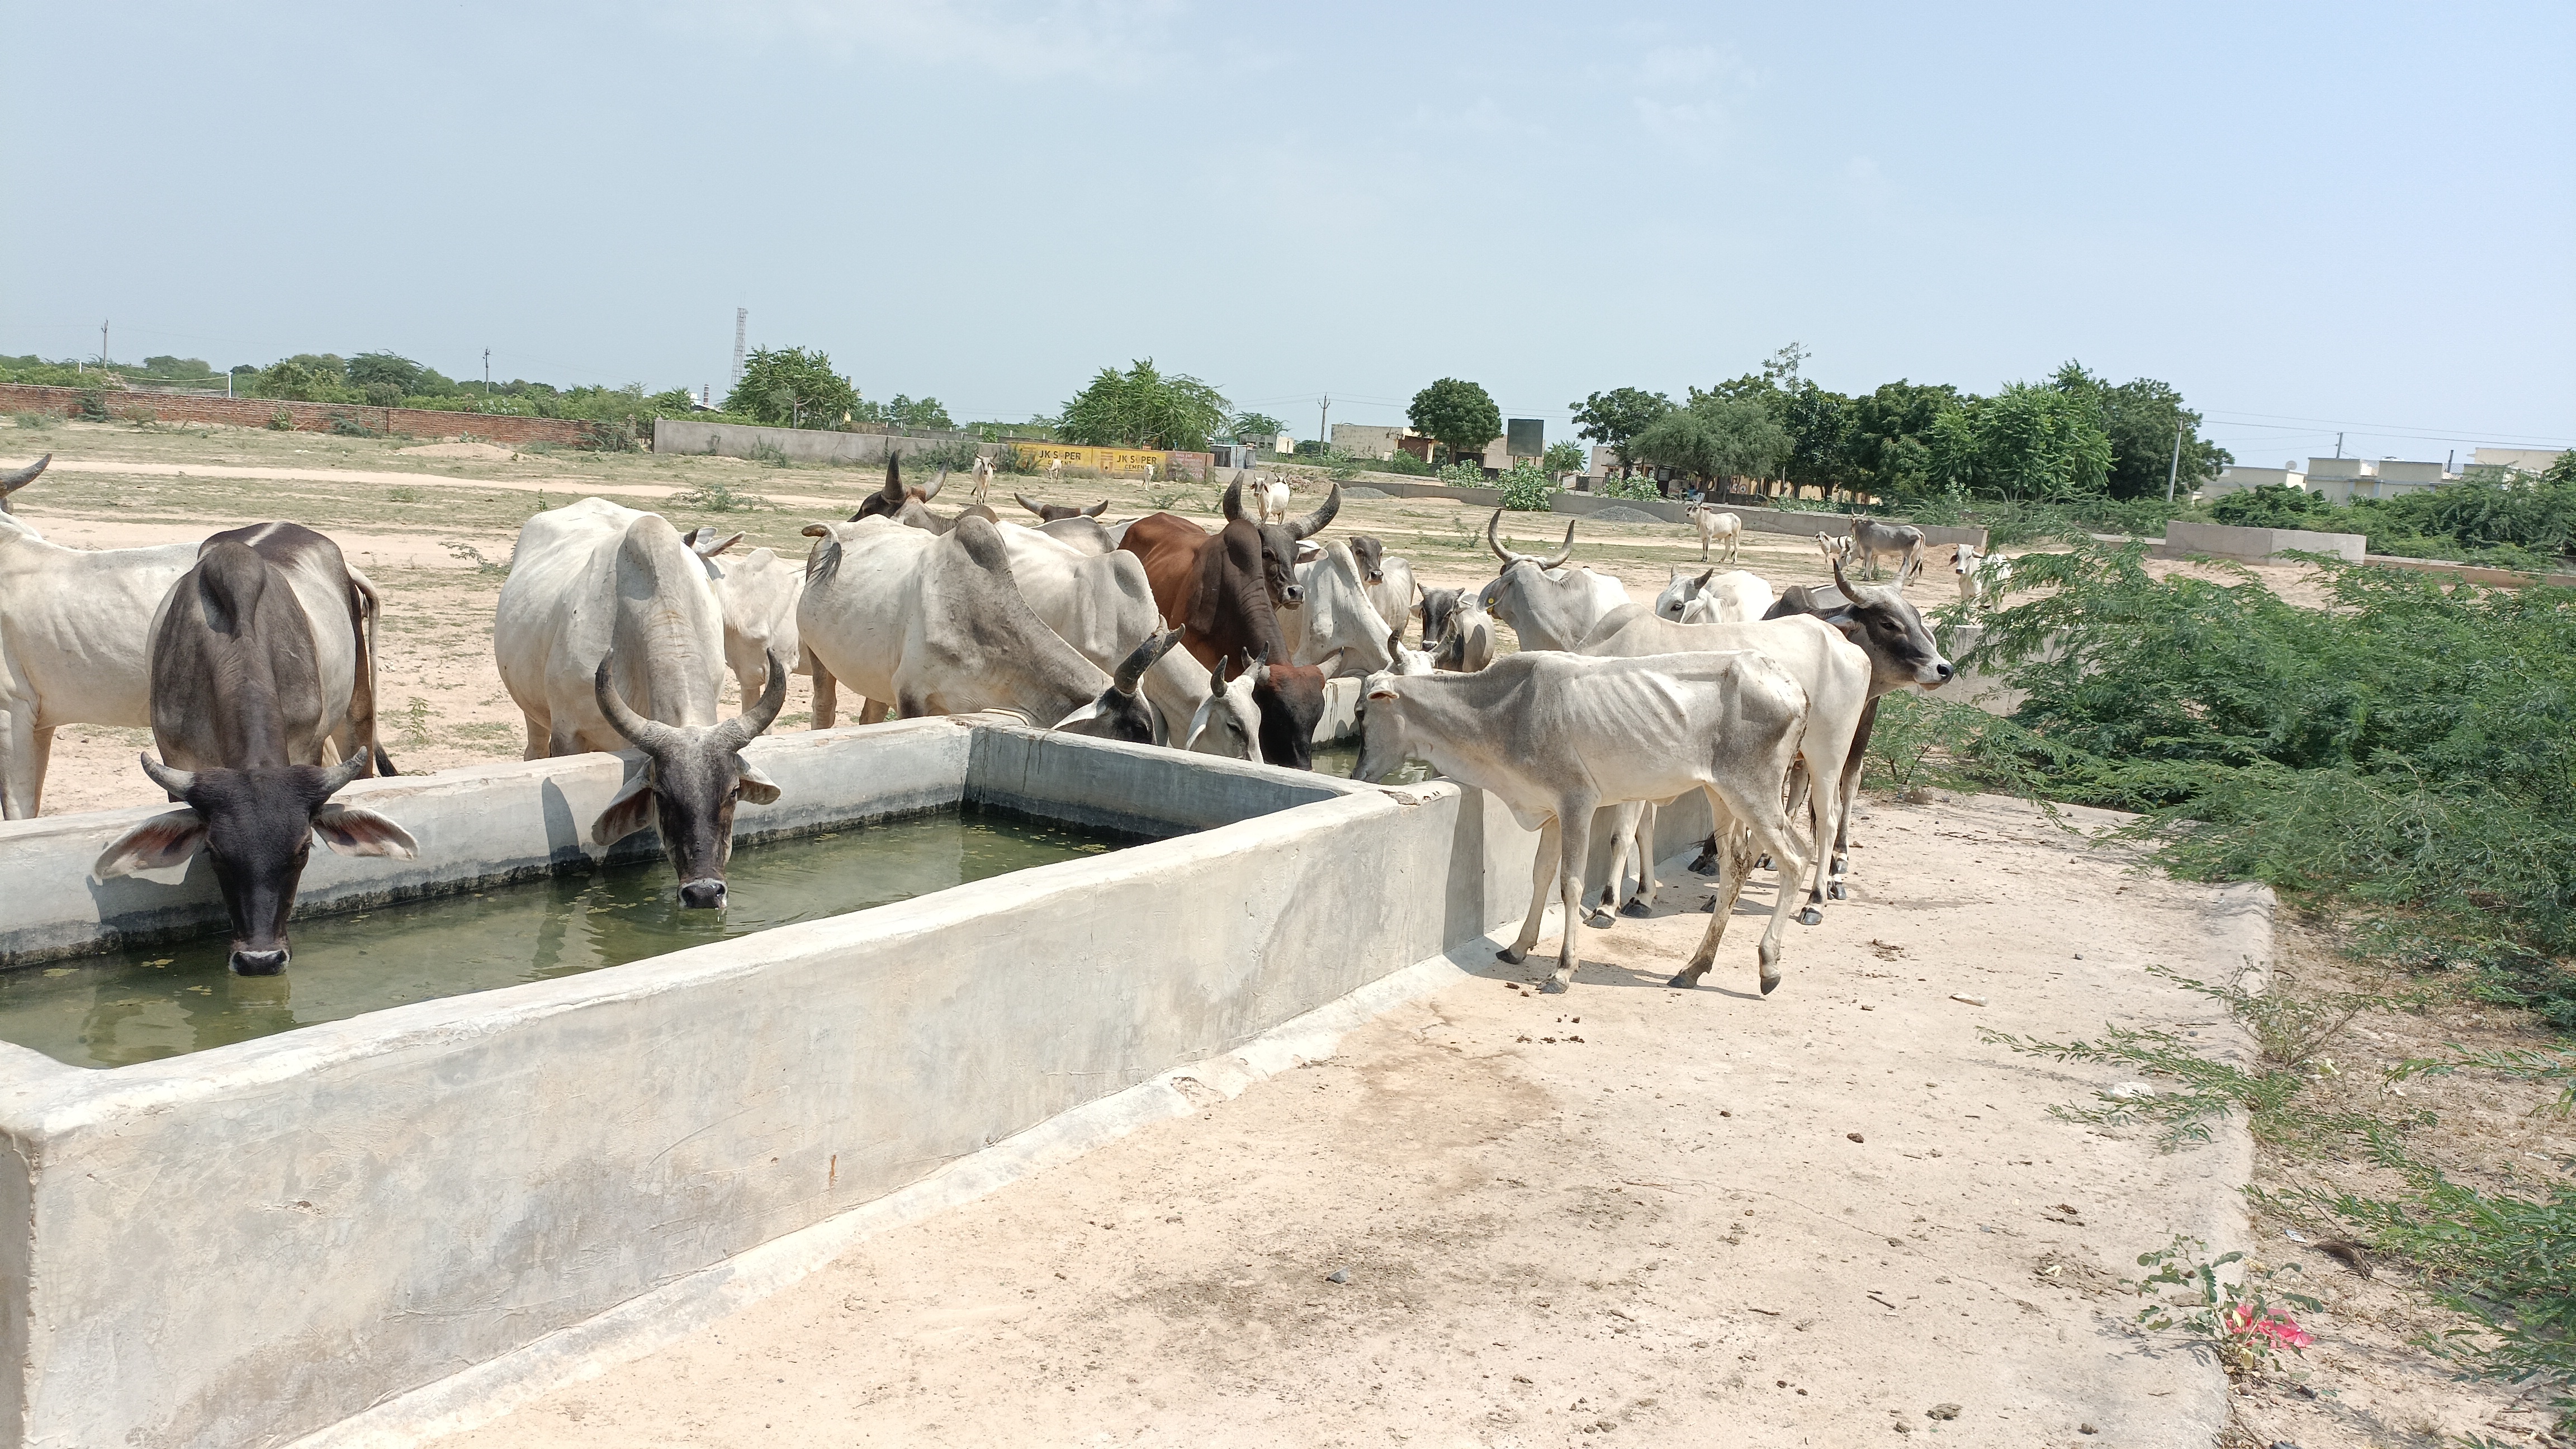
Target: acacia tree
1141	408
1615	418
1458	415
793	387
1717	437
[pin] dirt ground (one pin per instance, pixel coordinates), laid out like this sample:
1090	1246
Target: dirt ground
1627	1214
433	526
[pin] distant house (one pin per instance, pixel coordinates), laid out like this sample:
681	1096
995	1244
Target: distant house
2338	480
2522	460
1368	440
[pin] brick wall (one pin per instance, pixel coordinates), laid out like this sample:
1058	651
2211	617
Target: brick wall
254	412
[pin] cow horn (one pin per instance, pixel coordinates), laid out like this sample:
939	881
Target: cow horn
894	478
1331	664
1216	676
1234	497
337	778
1131	670
935	484
1839	583
1702	581
1564	553
1097	509
177	782
747	726
1316	522
12	482
1500	552
1037	508
651	736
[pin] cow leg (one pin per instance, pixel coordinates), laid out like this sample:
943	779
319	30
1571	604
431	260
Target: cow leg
1542	876
827	698
1838	868
1574	845
22	761
1642	840
540	734
1707	862
1733	863
1623	825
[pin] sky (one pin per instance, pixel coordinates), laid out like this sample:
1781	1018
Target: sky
2352	218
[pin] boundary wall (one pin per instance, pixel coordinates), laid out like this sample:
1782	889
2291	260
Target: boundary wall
1761	520
258	1241
2226	541
821	445
308	417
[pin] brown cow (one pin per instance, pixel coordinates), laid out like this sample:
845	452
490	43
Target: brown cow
1221	587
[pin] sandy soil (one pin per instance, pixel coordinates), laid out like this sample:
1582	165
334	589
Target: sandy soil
1627	1214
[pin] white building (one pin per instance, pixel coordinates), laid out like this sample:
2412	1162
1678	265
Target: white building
2237	478
2523	460
2342	480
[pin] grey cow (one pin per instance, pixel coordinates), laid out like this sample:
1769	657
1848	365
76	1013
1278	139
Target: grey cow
1870	538
1547	604
261	660
1556	736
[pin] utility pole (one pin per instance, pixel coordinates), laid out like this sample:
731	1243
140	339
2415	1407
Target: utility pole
2338	445
1323	433
2174	468
102	346
741	319
487	372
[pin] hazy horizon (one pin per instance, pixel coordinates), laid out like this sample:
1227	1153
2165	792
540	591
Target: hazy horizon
2308	220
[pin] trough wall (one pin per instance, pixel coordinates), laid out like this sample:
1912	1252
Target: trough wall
2228	541
307	417
253	1242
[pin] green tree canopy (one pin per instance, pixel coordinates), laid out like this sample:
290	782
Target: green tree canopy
1259	428
1563	456
1716	437
792	387
1456	414
1615	418
1887	438
1141	408
2140	417
2030	441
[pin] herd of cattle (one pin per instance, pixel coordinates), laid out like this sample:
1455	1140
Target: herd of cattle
256	674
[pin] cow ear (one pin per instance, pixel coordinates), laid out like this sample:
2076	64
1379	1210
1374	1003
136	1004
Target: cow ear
165	839
352	831
1381	691
1308	552
756	787
631	811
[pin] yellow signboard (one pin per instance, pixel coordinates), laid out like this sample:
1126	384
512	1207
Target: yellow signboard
1135	462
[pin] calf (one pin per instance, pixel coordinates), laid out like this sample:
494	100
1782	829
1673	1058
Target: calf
1434	610
1555	737
259	661
1273	496
1389	578
1725	530
1981	576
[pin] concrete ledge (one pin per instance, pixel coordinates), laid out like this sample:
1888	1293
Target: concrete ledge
2223	541
2474	573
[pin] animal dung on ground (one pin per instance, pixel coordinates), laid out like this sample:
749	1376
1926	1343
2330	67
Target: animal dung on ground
1942	1411
2347	1253
1971	1000
1854	1136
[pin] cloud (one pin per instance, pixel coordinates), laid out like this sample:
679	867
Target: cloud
1114	41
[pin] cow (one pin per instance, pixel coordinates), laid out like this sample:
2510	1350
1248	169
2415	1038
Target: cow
1870	538
1337	617
1389	578
75	641
1555	737
1466	642
1228	721
1224	588
1434	609
1726	530
261	658
1547	604
610	635
1272	494
1102	604
1086	535
1290	698
757	592
1734	597
1408	662
1051	512
1981	576
936	624
983	476
1902	652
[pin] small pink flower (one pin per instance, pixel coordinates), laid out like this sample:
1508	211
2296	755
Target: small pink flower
2243	1319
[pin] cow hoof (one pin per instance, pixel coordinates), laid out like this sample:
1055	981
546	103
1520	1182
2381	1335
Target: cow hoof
1683	981
1835	892
1600	920
1705	865
1511	957
1764	864
1708	907
1811	917
1637	908
1551	987
1770	984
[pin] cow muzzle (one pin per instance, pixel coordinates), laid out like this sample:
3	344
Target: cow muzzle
1933	677
703	895
270	962
1292	596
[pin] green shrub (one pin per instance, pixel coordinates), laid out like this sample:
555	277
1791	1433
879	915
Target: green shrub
281	421
33	421
2274	505
1462	475
1527	488
1638	486
1404	463
92	407
958	456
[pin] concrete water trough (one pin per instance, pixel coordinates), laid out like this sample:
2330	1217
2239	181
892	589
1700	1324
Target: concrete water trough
251	1243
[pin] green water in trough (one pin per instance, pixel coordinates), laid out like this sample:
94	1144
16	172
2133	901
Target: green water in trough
122	1007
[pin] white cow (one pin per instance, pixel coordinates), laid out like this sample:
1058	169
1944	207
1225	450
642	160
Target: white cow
75	641
1336	615
1228	720
1981	576
758	592
1555	737
1734	597
609	635
1102	605
1726	530
1547	604
1271	496
983	477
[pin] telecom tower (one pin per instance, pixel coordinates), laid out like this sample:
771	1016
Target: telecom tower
741	317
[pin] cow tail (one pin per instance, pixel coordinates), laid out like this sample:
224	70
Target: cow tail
364	608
